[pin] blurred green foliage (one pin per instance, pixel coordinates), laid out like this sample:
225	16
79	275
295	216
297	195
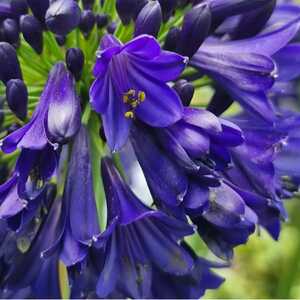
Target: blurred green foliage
264	268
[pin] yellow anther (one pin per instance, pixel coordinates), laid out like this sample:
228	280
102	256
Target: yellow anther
129	114
141	96
133	98
134	104
131	92
125	98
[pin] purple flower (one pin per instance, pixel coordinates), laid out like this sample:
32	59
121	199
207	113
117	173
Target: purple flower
136	239
131	82
22	194
245	68
82	228
197	145
40	261
56	118
253	175
190	286
225	222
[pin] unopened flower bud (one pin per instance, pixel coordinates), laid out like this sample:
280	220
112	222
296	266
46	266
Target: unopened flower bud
63	16
195	28
172	39
87	21
75	61
10	31
17	97
102	20
167	7
220	102
185	91
32	31
39	8
149	19
10	67
19	7
111	27
60	39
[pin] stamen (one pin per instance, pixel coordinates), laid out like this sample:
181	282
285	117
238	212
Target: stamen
129	114
133	98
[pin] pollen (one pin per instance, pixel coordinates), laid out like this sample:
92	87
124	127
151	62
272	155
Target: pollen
129	114
133	98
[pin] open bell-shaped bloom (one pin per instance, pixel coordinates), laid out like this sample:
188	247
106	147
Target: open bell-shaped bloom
131	81
137	238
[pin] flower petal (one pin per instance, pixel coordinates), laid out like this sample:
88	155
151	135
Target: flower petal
116	125
144	46
162	106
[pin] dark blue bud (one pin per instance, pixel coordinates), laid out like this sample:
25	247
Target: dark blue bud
87	21
10	31
139	7
149	19
220	102
60	39
102	20
253	22
185	90
39	8
5	10
62	16
195	28
172	39
88	4
10	67
32	31
19	7
111	27
75	61
167	7
129	9
125	9
17	97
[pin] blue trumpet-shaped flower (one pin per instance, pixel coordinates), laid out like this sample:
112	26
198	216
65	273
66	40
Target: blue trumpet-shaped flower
131	82
136	239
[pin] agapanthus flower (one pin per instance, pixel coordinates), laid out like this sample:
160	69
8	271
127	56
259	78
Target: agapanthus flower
136	238
130	129
56	118
82	228
191	148
131	81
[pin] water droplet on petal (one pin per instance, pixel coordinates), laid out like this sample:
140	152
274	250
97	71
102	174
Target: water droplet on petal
186	59
55	146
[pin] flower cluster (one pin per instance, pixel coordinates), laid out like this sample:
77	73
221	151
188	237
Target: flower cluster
111	157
